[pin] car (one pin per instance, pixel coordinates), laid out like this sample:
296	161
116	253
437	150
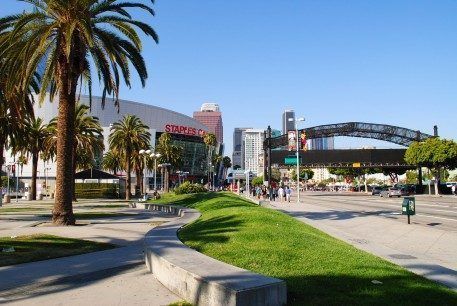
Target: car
376	190
390	192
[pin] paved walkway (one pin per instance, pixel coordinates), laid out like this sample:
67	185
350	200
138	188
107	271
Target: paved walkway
429	252
116	276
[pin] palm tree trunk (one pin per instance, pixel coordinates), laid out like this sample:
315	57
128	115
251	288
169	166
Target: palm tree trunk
73	192
129	177
2	145
139	179
62	213
34	173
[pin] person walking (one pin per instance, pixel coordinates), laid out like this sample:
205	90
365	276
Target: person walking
288	193
453	189
281	194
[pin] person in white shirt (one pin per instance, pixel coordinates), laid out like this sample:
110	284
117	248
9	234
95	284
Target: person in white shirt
281	194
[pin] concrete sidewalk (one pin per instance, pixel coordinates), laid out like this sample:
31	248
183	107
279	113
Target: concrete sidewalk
53	282
429	252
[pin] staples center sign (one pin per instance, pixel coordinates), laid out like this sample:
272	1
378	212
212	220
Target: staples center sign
184	130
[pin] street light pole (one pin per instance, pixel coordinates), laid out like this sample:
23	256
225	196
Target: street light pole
155	156
298	154
145	154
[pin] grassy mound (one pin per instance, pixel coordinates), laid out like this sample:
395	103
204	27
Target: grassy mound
318	269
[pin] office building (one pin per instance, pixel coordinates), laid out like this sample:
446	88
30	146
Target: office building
253	150
211	116
238	147
322	143
287	124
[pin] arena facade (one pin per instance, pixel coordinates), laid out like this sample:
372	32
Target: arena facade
185	131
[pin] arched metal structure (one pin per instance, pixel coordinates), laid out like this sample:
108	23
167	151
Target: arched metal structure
390	133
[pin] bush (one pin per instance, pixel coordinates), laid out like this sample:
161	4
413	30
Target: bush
188	187
97	190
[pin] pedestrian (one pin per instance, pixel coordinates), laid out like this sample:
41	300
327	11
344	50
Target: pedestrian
288	193
280	193
453	189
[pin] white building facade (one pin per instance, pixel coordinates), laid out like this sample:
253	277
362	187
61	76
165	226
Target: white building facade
253	150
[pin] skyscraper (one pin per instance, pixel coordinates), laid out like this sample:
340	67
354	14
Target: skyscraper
253	150
238	147
322	143
286	124
211	116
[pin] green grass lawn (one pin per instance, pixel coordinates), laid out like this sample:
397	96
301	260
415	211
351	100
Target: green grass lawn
42	247
318	269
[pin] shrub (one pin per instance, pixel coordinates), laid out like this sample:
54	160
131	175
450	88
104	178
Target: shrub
188	187
97	190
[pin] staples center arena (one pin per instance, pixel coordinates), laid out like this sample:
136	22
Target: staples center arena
185	131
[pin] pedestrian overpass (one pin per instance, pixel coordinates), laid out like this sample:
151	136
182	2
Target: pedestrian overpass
276	152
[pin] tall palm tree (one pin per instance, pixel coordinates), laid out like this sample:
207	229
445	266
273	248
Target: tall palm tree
210	141
128	136
66	36
226	163
170	154
14	107
112	161
87	139
34	143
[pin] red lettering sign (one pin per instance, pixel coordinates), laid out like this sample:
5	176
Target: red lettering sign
184	130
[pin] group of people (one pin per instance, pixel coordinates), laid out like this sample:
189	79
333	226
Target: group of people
283	194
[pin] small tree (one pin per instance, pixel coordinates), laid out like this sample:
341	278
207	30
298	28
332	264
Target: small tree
435	154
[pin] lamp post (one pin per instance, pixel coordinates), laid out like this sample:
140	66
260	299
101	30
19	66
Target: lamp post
155	156
145	154
301	119
46	172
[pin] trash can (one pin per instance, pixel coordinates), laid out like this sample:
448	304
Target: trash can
408	207
28	196
7	199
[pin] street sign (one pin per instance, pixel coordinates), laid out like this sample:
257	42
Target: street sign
291	160
356	165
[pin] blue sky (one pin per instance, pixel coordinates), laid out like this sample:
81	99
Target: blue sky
392	62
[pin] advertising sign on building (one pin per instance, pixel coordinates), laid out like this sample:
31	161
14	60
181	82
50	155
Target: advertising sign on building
291	140
185	130
303	141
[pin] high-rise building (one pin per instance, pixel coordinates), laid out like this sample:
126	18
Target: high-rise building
253	150
238	147
322	143
211	116
288	125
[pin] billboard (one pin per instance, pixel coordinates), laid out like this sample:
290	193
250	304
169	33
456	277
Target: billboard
291	140
303	140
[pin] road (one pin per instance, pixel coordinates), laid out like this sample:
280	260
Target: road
431	211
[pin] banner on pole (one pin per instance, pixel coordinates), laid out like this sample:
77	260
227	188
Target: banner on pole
291	140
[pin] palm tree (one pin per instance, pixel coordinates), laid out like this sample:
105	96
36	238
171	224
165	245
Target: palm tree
87	139
226	163
210	141
14	107
112	161
60	39
170	154
34	143
128	136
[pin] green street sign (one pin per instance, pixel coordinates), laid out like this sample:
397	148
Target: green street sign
291	160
